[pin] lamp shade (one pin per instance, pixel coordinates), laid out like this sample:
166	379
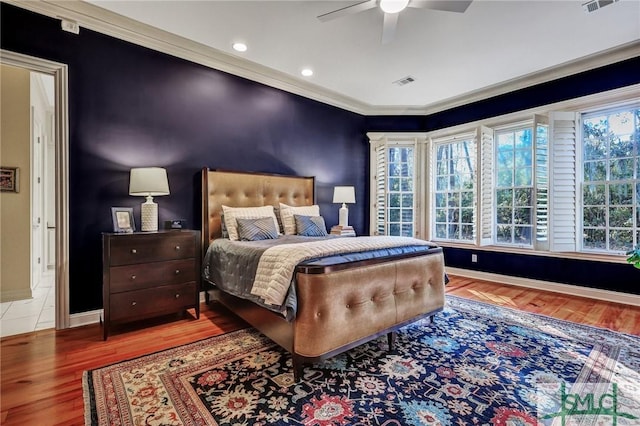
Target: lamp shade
344	194
148	181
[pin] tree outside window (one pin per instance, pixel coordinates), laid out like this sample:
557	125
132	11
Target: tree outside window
514	191
611	185
455	190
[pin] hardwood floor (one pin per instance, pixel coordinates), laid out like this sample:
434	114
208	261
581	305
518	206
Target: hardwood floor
41	372
614	316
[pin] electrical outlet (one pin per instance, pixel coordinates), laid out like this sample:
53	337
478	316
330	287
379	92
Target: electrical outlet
474	258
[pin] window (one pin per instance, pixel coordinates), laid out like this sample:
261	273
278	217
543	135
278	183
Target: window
455	189
521	184
400	191
394	185
514	186
611	180
561	180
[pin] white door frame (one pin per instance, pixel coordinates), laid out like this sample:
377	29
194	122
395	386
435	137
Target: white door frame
61	134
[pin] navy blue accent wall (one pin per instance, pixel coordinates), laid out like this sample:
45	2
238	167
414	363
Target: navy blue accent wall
602	275
132	107
608	276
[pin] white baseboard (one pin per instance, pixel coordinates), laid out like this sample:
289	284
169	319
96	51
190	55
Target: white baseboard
85	318
573	290
92	317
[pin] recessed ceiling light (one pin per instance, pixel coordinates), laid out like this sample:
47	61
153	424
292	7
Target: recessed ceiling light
307	72
239	47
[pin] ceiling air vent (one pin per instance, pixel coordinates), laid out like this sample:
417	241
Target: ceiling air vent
406	80
592	6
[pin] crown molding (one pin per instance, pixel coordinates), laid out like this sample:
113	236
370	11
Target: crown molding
106	22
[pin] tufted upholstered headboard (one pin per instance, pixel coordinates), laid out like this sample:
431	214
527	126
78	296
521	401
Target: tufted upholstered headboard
242	189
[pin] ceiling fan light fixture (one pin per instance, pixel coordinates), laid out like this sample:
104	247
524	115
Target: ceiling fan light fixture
393	6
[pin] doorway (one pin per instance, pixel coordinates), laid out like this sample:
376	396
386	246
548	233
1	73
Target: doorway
46	186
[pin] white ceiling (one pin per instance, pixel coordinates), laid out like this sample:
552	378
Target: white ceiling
452	56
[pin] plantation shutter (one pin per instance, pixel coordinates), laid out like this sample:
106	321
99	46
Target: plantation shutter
541	175
485	208
378	208
563	131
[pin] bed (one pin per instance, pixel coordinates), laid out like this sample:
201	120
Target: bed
340	303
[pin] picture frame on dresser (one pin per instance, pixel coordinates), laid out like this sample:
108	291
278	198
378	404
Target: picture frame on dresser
123	220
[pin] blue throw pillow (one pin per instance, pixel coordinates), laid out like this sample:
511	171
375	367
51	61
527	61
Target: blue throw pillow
310	226
263	228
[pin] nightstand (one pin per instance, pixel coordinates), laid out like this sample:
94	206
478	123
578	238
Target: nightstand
343	231
147	274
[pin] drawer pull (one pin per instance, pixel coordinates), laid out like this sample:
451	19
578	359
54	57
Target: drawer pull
177	271
133	277
134	303
134	251
178	296
177	248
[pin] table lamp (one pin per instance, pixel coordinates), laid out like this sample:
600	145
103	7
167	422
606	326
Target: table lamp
344	194
148	182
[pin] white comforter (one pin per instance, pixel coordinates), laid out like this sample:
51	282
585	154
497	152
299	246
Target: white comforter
277	264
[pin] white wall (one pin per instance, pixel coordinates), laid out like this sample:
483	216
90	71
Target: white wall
15	244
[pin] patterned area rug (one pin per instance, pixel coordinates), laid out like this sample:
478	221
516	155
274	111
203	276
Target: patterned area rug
476	364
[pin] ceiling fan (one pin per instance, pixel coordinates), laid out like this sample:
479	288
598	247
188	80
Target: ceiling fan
392	9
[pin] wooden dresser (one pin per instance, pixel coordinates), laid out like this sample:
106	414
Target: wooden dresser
146	274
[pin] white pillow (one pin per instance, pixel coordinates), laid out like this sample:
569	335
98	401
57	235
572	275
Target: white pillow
232	213
287	212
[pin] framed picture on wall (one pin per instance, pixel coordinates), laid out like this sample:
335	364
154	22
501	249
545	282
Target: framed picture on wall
9	179
123	219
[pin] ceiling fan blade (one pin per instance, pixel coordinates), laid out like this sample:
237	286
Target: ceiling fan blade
458	6
349	10
389	27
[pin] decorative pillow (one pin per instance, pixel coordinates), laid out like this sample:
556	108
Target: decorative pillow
287	212
223	228
310	226
276	211
233	213
256	229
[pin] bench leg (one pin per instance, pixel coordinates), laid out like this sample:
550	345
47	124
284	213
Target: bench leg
298	366
391	339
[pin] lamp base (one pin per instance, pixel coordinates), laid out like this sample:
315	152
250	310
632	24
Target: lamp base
343	219
149	215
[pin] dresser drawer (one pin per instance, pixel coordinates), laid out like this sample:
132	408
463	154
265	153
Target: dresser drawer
145	275
128	250
159	300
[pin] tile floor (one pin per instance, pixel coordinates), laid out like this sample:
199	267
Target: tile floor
24	316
